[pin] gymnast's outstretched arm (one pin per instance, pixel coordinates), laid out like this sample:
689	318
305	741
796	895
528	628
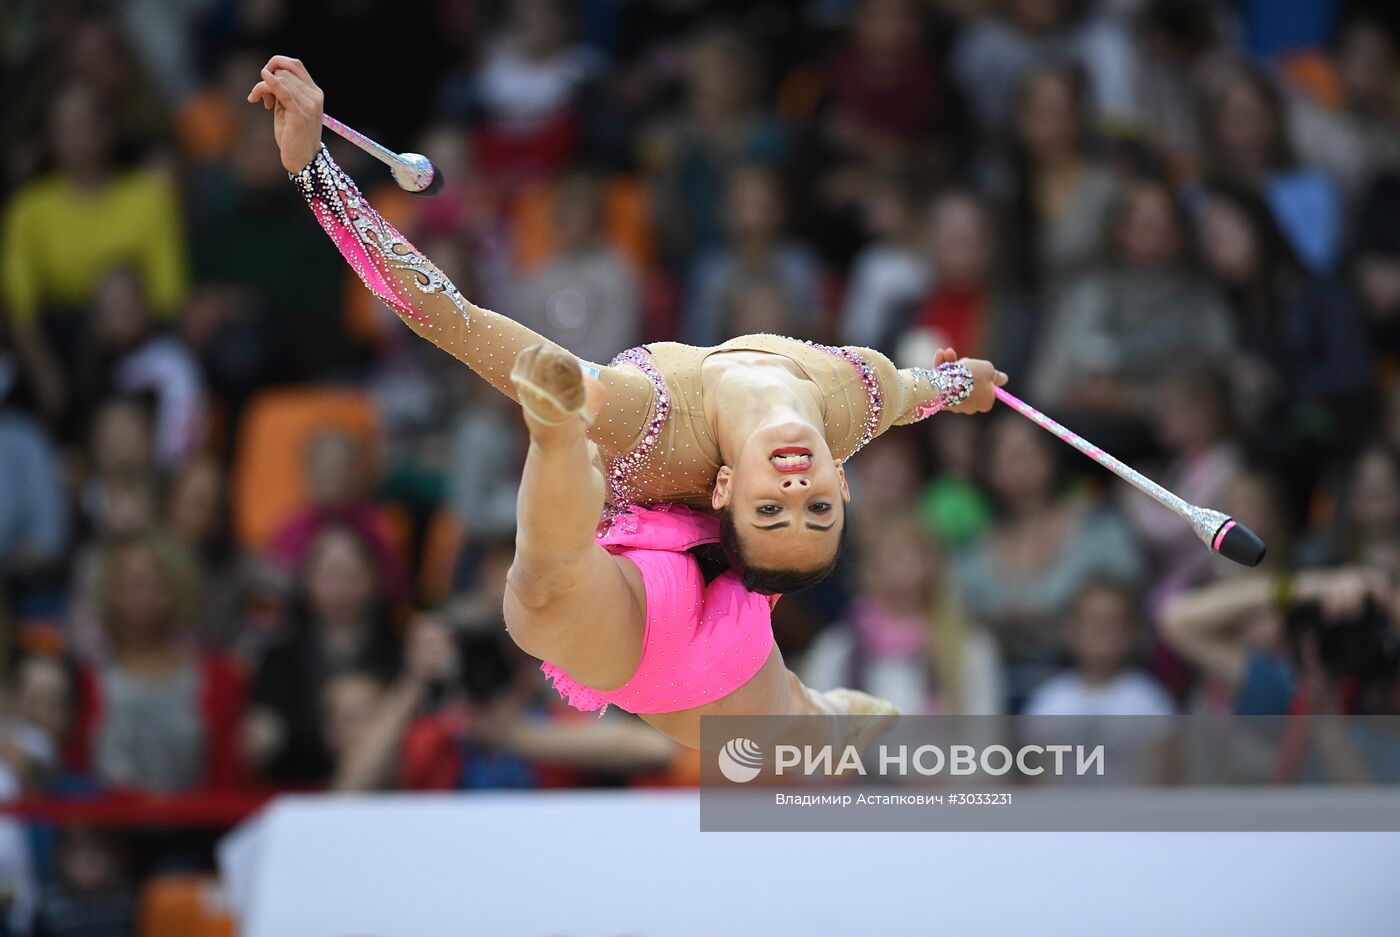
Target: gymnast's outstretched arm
958	385
404	279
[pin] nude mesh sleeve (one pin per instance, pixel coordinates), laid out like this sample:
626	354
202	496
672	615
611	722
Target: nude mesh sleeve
427	301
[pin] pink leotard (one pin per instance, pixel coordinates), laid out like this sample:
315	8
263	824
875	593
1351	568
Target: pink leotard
703	641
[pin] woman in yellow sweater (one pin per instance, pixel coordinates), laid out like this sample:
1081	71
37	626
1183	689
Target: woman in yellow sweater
64	231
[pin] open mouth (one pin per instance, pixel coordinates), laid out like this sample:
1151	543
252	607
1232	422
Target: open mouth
791	459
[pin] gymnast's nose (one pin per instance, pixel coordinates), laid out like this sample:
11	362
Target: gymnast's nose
798	482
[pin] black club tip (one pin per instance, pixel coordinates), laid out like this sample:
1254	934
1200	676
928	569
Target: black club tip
1241	545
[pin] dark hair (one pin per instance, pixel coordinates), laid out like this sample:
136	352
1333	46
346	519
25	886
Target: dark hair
1278	264
1260	83
1115	585
774	581
1025	224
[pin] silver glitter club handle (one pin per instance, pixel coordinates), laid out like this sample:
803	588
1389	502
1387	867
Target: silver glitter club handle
413	172
1220	532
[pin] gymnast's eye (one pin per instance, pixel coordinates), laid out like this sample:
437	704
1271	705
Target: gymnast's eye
769	510
820	507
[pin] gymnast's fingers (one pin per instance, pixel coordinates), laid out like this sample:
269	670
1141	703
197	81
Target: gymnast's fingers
287	63
262	92
1000	379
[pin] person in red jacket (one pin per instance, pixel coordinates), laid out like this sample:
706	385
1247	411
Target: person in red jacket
158	715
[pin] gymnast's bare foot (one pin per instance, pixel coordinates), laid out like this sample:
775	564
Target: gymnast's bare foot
551	386
873	716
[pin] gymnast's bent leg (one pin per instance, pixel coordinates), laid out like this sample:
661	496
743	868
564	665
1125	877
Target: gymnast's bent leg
570	602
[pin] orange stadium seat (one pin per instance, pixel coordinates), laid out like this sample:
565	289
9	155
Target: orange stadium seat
179	905
1313	72
626	214
268	481
442	548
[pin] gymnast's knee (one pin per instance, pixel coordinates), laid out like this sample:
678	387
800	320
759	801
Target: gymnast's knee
536	588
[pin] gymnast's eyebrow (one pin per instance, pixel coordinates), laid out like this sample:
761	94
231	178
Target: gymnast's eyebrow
774	526
810	526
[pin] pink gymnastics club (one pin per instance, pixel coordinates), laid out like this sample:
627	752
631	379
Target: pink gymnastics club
414	172
1220	532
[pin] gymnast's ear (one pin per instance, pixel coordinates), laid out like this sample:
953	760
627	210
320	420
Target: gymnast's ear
841	474
719	497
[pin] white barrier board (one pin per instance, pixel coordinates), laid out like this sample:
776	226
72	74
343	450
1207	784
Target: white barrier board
621	864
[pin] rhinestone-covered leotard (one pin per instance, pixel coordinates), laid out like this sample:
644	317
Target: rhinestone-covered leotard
652	433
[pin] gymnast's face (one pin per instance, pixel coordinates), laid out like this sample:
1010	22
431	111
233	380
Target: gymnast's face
786	494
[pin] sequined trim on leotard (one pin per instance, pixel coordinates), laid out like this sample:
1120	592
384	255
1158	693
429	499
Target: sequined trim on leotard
344	213
623	470
873	395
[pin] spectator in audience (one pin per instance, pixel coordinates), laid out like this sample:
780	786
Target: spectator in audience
525	94
755	217
488	448
998	48
1248	145
886	477
893	270
1194	427
34	512
1375	264
758	303
159	715
888	95
1060	194
34	714
1045	544
18	882
336	484
349	701
1103	628
1302	374
121	446
1116	331
64	231
93	894
79	43
249	321
463	713
968	308
721	128
195	511
953	506
339	622
1354	138
905	638
1371	516
1183	53
888	107
133	357
1258	638
125	504
587	297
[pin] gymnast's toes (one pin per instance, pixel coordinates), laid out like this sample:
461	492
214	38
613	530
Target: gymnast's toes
549	383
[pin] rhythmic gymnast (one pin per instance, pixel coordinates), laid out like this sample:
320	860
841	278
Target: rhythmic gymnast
755	429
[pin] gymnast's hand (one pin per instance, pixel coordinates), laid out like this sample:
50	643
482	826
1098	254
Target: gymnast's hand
287	90
985	379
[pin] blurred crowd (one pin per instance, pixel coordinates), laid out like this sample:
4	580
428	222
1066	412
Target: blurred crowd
254	533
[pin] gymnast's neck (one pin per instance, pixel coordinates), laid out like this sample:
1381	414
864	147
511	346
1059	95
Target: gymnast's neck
736	409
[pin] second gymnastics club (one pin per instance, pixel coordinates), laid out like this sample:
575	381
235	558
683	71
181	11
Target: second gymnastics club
414	172
1219	531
